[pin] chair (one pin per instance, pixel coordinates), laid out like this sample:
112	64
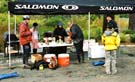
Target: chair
48	34
14	44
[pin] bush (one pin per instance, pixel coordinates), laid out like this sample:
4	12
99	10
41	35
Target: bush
52	22
123	38
96	33
132	38
85	32
128	31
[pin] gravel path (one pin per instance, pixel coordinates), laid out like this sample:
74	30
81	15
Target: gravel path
84	72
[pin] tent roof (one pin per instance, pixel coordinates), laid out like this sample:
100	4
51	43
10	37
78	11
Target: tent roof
82	2
83	6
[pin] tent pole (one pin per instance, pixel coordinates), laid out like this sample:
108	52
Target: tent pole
9	39
88	34
119	29
72	19
15	25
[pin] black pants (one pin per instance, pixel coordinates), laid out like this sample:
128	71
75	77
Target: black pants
26	53
79	51
34	51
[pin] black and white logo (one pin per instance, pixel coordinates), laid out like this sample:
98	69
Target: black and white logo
116	8
35	6
70	7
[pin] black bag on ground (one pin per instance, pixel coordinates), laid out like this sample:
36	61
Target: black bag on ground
38	63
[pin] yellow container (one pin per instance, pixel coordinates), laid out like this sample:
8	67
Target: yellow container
41	67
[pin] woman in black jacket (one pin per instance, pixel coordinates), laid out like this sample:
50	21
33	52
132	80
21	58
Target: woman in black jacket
59	33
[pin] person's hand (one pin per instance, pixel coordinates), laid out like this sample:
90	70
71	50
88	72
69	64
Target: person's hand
70	34
68	38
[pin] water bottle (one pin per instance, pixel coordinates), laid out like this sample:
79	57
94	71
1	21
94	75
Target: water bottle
60	41
41	67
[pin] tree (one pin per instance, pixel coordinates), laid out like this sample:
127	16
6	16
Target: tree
132	21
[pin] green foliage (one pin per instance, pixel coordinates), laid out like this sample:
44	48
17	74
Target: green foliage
124	15
132	38
128	36
96	33
128	31
52	22
123	38
3	6
85	32
94	16
81	20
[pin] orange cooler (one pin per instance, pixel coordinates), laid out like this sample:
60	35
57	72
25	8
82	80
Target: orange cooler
63	60
48	56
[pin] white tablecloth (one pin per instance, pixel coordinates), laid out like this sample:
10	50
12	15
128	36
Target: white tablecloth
53	44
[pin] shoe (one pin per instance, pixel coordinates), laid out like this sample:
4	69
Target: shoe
114	72
83	62
76	63
29	64
109	73
27	67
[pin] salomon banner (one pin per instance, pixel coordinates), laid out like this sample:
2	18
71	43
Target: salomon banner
67	8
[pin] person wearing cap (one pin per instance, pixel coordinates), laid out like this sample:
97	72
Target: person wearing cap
59	33
25	37
35	37
111	42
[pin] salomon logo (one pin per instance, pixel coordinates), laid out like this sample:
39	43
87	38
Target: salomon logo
70	7
116	8
36	6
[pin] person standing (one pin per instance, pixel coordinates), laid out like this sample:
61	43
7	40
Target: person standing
59	33
111	21
25	37
35	37
77	37
111	41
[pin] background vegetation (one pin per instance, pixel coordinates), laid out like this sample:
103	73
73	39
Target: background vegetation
48	23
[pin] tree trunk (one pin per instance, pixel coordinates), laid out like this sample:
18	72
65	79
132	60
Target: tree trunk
132	21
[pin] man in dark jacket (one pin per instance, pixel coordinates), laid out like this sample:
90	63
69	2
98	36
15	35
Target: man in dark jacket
112	22
77	37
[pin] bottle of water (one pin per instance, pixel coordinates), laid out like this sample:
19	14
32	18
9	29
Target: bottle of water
41	67
60	41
